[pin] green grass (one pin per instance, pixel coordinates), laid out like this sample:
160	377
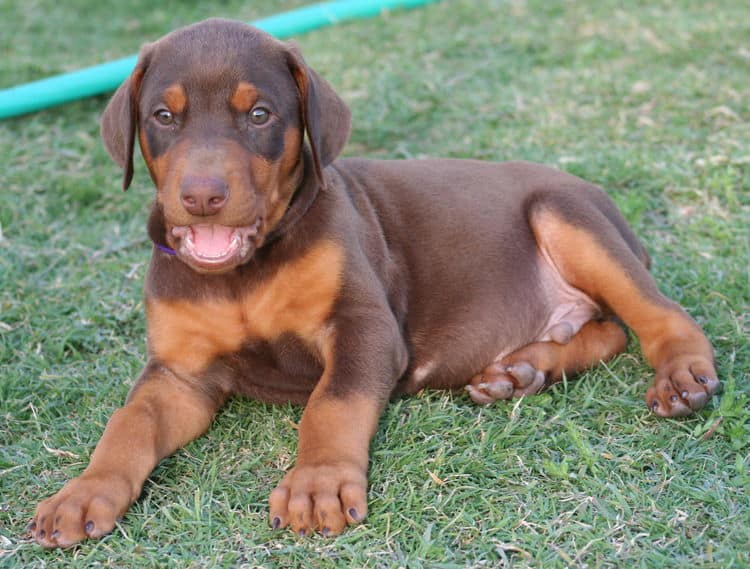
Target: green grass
651	100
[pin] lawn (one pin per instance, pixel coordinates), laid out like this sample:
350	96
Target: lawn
649	99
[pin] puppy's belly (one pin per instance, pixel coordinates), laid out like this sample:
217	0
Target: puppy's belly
486	329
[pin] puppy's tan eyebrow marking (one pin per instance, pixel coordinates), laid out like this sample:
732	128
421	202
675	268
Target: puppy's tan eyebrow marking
244	97
175	97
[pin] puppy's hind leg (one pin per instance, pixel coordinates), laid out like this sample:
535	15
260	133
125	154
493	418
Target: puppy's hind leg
527	370
585	238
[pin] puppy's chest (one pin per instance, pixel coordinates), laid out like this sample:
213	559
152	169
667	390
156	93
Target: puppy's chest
188	335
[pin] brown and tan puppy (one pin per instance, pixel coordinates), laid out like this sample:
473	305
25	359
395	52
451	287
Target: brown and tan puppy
283	275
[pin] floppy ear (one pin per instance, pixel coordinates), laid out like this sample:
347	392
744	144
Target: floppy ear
325	117
119	122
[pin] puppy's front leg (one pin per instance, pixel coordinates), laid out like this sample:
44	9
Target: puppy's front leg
162	413
327	489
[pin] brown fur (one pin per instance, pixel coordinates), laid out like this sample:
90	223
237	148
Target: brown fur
343	283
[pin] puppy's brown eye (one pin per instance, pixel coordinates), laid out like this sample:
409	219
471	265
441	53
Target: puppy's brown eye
259	115
163	116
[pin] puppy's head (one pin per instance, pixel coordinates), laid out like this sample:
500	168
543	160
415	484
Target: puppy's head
221	110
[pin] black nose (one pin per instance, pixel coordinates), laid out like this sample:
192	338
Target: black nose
203	195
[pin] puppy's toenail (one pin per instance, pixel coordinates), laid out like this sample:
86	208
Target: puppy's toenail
325	532
702	379
89	527
55	534
42	533
276	523
301	533
655	405
354	514
673	398
684	394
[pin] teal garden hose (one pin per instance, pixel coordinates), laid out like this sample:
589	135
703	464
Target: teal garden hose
108	76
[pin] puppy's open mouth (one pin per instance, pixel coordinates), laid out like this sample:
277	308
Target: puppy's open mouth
214	247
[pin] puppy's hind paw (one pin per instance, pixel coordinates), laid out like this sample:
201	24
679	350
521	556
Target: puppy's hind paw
500	381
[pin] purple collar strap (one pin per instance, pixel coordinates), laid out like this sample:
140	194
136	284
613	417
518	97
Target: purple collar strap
165	249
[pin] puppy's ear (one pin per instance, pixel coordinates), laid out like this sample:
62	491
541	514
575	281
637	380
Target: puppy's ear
325	117
119	121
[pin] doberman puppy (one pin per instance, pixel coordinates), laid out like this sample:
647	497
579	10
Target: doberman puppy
283	274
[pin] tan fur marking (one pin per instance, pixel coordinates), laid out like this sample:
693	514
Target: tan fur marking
144	147
186	335
265	173
588	266
156	166
292	146
298	298
334	430
165	429
284	171
353	419
161	415
597	341
176	98
244	97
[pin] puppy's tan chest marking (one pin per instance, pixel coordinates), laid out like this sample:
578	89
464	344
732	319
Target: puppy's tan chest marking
187	335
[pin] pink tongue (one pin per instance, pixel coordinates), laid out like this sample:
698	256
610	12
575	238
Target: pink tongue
211	240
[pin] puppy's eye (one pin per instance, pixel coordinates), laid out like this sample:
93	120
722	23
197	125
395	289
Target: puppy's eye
259	115
163	116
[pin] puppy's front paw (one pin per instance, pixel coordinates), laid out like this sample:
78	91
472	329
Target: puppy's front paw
323	497
87	506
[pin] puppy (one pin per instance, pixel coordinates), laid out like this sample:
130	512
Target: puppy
283	274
